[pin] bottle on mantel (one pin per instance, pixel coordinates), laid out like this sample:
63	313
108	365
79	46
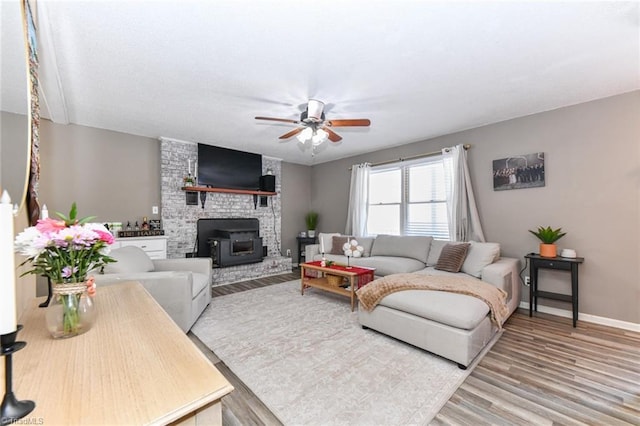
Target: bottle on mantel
137	227
145	224
128	226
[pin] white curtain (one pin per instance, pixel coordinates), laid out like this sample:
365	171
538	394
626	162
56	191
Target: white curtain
358	200
464	221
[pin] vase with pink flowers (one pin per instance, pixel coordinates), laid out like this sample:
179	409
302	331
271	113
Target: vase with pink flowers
65	250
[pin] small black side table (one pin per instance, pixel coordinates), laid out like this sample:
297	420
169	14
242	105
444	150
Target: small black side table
561	263
302	243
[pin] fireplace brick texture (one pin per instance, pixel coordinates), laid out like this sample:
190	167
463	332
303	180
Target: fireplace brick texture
179	220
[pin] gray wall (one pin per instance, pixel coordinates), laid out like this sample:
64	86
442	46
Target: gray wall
14	149
114	176
296	201
592	163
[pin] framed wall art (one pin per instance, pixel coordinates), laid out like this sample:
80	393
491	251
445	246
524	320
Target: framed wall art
519	171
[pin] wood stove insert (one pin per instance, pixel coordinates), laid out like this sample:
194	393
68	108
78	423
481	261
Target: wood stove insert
229	241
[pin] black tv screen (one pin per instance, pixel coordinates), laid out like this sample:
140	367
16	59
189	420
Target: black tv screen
227	168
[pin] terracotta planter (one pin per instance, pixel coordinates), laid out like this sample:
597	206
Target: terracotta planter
548	250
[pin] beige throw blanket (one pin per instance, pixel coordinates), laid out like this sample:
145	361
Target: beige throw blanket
371	294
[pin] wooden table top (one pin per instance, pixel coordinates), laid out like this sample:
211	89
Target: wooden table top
135	366
340	269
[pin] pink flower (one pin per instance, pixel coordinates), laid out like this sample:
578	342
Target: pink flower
67	271
105	236
47	226
65	252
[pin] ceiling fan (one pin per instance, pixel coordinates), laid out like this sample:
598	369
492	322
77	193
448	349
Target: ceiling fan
314	126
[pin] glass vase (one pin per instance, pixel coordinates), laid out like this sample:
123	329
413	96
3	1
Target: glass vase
70	312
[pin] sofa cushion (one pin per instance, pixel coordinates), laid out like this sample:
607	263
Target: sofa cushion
414	247
452	257
337	242
325	240
367	244
452	309
387	265
431	270
479	256
129	259
434	252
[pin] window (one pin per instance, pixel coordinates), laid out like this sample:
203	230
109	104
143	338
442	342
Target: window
408	198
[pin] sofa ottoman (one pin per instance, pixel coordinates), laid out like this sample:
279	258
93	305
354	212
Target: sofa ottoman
454	326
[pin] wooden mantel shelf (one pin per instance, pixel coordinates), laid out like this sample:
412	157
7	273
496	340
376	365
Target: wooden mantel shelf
226	190
204	189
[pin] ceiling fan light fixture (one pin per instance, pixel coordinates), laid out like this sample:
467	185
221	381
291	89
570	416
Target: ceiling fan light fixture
314	110
305	135
313	128
319	137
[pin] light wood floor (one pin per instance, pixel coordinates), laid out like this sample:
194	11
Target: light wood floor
542	371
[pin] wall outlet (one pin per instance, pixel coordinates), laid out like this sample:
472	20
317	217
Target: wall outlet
527	280
154	210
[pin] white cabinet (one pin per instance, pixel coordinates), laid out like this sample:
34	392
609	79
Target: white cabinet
155	247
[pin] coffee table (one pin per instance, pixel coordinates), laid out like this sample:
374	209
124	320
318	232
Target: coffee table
357	276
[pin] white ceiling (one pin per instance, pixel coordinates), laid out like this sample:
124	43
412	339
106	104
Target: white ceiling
201	70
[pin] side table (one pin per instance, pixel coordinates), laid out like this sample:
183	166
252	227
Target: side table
537	262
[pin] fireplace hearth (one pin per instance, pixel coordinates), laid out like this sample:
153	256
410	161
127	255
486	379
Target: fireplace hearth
230	241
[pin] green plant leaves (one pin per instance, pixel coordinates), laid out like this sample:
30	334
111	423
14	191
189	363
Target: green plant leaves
312	220
548	235
71	219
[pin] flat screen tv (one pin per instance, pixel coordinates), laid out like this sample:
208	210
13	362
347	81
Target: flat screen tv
228	168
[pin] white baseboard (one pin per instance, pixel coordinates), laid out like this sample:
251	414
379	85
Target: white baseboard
625	325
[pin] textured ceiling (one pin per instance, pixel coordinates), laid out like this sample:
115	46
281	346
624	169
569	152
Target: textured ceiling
201	70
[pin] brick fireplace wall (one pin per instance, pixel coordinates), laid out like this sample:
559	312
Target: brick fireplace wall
179	220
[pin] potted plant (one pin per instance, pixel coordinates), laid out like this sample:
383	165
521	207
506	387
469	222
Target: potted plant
189	180
312	223
548	237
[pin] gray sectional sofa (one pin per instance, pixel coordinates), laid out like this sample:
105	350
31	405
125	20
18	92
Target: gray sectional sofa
454	326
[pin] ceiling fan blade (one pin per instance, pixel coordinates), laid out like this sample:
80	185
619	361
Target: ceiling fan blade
349	122
333	136
291	133
284	120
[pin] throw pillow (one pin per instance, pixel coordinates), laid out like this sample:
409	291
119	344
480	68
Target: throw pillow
412	246
129	259
324	240
479	256
452	257
337	243
436	249
367	244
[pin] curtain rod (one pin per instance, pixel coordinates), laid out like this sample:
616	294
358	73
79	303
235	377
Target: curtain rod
413	157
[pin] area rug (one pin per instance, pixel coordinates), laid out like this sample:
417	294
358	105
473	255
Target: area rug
308	359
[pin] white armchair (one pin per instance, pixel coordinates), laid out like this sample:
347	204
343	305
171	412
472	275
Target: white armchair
181	286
